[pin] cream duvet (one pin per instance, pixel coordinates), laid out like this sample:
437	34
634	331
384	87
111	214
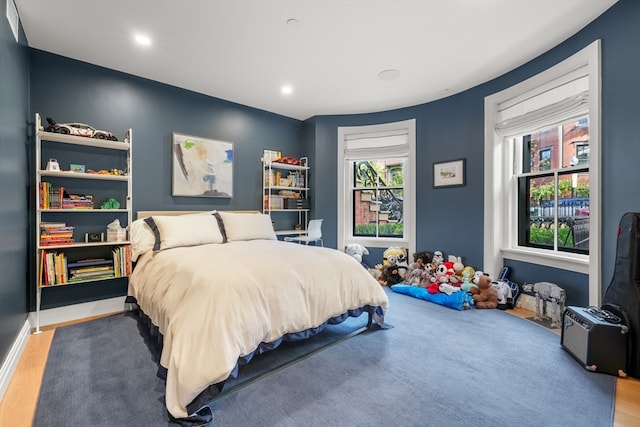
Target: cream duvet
214	303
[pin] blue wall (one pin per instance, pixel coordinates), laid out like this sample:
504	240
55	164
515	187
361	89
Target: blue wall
69	90
14	249
72	91
450	220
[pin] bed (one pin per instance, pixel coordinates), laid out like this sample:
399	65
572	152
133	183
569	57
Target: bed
219	286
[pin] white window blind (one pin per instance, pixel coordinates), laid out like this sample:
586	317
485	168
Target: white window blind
562	100
376	146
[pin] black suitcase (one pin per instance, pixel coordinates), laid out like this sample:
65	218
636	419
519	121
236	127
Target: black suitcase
596	338
622	297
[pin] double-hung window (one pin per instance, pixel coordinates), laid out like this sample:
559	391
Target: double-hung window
542	173
376	200
552	187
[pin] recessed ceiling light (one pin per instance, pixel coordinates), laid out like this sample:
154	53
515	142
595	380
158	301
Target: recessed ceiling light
143	40
389	74
286	90
292	22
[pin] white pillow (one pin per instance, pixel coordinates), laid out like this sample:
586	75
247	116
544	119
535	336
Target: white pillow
141	237
184	230
247	226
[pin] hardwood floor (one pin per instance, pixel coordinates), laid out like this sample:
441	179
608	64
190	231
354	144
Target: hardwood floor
19	403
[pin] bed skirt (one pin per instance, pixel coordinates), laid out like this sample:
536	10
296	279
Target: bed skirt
200	413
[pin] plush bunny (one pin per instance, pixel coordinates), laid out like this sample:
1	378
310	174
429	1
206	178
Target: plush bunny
356	250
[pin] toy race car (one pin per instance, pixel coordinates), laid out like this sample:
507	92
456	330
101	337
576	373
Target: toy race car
78	129
288	161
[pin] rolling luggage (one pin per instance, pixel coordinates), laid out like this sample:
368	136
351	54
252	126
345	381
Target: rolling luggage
622	297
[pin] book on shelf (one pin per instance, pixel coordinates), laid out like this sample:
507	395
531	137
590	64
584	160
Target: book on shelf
56	242
90	261
55	197
122	260
53	268
43	193
97	277
91	274
77	201
51	197
273	201
55	233
52	225
98	268
91	269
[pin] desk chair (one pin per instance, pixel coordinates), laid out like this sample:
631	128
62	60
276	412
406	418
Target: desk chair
314	234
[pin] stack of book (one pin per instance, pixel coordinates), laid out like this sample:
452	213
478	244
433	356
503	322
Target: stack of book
55	233
91	269
51	197
77	201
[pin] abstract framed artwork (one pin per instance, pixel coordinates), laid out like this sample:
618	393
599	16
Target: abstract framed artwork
201	167
449	174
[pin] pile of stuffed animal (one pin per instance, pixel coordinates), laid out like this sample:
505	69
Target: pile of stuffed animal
432	272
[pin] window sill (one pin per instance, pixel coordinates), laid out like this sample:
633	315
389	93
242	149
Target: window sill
379	242
566	261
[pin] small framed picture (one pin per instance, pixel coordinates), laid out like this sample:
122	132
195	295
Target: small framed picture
76	168
449	174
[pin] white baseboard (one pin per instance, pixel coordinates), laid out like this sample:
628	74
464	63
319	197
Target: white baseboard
11	361
79	311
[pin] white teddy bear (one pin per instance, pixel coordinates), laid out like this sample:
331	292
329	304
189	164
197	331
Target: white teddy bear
356	250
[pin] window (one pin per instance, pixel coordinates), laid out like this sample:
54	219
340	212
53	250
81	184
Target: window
376	200
582	154
378	197
542	175
553	195
545	159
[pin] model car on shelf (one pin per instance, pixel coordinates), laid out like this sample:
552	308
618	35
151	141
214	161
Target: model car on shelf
288	161
78	129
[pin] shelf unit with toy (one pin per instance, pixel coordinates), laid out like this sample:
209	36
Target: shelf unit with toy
285	192
83	200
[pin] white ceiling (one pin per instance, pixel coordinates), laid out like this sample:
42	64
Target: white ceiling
245	50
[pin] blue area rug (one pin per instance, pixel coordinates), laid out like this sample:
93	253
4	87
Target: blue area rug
436	367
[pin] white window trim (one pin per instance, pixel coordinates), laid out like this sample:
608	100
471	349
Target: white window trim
345	204
498	168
